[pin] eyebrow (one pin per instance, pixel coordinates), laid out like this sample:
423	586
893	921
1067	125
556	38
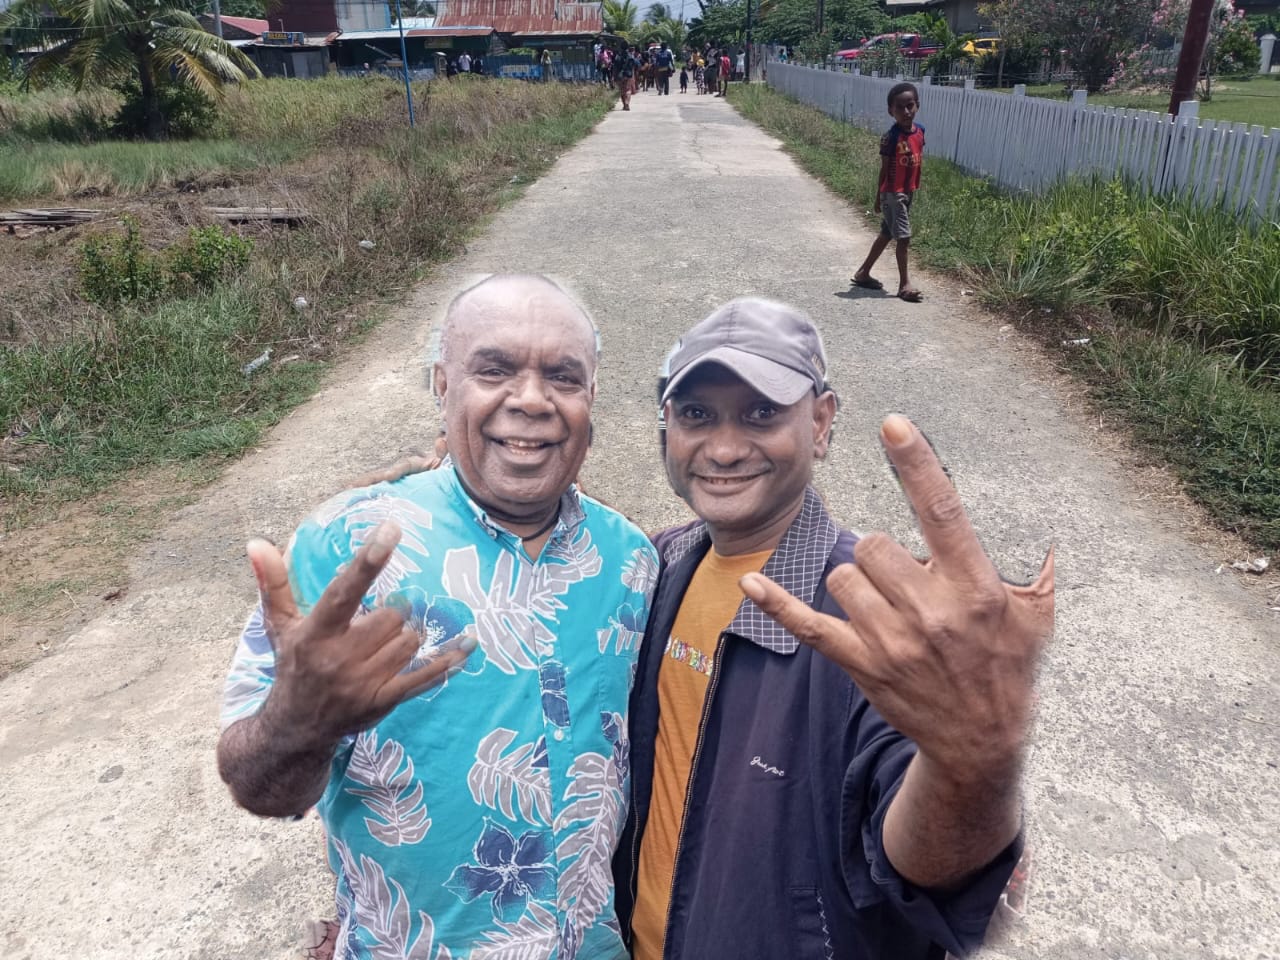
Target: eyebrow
569	365
492	355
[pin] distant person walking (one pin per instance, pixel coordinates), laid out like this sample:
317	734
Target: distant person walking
726	70
901	154
625	67
464	63
684	78
712	73
742	66
665	64
545	61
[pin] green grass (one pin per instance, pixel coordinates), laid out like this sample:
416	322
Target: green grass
1182	307
149	383
1255	101
121	168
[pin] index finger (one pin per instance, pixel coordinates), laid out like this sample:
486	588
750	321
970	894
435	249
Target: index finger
935	500
274	593
342	597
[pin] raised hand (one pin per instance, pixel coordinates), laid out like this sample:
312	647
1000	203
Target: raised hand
336	675
945	650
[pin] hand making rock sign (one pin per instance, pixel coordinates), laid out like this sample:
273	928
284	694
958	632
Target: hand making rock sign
947	652
336	674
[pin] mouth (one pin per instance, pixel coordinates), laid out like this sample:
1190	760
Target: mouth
524	447
726	484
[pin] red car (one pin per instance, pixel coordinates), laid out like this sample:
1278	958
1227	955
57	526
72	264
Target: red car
912	46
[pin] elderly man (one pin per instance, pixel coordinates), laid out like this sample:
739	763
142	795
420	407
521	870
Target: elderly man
830	765
443	666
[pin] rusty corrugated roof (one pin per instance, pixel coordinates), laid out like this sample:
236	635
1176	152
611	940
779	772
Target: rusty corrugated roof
528	17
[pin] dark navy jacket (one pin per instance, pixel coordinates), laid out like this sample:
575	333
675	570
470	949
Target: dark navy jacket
781	853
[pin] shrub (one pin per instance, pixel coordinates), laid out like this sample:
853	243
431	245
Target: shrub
120	269
116	269
189	114
207	255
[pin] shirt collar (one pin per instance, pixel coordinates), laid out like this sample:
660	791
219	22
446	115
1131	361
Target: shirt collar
796	566
571	512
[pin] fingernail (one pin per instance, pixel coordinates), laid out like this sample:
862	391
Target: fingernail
752	587
896	430
384	540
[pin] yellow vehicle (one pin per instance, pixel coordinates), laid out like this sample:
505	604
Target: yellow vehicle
982	46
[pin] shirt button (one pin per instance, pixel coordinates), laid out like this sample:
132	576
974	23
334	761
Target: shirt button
559	734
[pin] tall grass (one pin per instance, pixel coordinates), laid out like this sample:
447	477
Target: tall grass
143	384
1182	306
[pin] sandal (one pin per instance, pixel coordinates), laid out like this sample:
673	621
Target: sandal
866	283
911	295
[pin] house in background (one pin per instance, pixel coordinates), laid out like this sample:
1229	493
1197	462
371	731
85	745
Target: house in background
961	15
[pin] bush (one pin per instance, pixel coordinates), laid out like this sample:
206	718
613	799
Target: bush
115	269
1236	52
189	114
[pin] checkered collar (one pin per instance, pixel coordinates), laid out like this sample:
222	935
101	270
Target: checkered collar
796	566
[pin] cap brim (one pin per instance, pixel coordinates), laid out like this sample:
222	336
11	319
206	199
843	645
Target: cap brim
779	383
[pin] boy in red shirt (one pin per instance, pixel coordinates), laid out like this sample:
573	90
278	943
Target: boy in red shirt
901	153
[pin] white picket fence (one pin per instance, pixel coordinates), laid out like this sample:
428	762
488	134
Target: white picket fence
1030	143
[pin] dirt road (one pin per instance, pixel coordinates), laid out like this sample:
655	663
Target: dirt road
1153	789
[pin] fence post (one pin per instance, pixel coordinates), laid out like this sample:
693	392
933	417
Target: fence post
1079	98
1268	43
928	79
1019	89
970	83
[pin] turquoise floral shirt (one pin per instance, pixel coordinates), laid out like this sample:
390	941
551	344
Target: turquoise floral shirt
478	820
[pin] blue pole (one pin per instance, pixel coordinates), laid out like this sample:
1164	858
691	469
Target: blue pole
404	63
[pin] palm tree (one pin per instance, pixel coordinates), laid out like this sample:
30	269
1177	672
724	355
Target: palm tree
658	12
620	16
112	42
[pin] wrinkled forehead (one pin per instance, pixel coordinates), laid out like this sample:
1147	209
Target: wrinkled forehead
521	318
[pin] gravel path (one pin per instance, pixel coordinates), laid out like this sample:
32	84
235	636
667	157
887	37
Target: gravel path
1153	790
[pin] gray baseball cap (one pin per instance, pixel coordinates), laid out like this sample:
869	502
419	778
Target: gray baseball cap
773	347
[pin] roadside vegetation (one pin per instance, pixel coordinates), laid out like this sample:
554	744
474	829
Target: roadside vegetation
1171	315
135	340
1239	100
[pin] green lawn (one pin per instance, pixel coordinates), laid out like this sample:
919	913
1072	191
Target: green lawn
1240	101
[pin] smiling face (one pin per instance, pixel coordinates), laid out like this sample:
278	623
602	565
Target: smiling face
740	460
517	382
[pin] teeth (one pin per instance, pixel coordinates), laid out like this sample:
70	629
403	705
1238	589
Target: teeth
523	444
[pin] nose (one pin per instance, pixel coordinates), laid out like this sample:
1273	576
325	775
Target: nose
531	395
726	445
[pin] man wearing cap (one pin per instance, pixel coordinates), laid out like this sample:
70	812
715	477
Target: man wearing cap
829	766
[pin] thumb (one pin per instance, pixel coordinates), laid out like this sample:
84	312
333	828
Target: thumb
818	630
274	593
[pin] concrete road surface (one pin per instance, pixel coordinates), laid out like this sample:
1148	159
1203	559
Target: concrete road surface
1154	793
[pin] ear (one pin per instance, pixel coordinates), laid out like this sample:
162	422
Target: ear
824	415
439	382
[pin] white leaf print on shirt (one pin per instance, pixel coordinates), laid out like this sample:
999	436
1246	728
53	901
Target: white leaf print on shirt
532	938
507	625
395	798
640	573
596	796
523	774
380	909
361	518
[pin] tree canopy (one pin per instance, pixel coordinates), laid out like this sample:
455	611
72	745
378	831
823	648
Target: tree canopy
119	42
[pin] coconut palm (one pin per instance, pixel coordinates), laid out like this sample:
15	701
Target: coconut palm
620	16
113	42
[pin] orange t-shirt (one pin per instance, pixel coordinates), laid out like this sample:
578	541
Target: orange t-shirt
709	607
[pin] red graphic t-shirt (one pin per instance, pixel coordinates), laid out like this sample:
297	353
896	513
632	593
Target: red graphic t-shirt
905	152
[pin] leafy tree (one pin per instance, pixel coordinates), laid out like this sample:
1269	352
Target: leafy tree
844	21
722	21
620	17
657	13
1093	35
669	31
1018	32
114	42
951	45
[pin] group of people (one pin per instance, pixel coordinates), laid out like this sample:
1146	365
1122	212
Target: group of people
532	730
652	68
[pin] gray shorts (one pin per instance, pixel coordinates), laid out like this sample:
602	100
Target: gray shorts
895	210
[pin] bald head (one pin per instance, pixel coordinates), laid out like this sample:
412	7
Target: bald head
522	298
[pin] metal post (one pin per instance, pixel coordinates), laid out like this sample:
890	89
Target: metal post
746	74
217	19
404	63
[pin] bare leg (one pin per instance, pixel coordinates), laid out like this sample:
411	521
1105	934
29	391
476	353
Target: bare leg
905	290
877	248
